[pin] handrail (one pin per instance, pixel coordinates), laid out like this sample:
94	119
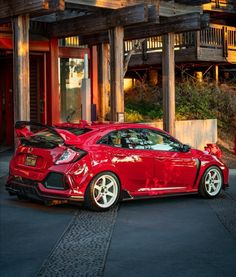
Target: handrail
214	36
226	5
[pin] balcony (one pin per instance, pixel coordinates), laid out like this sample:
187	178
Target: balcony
221	5
214	44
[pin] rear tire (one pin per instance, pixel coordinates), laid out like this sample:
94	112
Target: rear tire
103	192
211	183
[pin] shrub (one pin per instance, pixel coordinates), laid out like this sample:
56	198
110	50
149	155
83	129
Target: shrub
194	100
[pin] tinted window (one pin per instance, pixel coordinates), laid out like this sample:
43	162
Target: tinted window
75	131
159	141
141	139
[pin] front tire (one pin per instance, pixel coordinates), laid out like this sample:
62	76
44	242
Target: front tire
211	183
103	192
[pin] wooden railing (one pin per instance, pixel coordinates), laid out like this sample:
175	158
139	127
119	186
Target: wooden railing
216	36
224	4
229	5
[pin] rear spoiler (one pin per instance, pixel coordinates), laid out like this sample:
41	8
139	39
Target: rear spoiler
23	124
22	130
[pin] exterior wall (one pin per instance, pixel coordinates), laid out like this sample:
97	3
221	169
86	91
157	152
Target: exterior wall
196	133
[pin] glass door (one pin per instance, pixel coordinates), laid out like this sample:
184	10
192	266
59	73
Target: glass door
71	73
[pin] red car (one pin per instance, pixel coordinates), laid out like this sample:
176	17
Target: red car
101	164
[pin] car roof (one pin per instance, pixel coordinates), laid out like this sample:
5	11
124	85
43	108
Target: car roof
128	125
106	125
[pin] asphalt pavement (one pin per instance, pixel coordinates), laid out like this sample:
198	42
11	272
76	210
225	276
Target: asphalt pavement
175	236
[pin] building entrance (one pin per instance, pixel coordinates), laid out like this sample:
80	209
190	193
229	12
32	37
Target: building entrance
37	95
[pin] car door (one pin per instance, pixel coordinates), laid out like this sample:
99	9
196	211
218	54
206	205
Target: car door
135	166
175	170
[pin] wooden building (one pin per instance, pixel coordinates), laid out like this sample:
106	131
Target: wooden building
54	56
210	50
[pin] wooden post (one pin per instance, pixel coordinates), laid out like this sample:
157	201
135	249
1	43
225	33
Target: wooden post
21	71
53	97
116	37
197	43
103	80
216	74
168	83
225	41
86	92
94	67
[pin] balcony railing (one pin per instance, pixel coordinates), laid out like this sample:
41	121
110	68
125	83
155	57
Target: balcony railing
216	36
229	5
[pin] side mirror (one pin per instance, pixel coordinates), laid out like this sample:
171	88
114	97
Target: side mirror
185	148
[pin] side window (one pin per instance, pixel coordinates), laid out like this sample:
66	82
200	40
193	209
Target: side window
140	139
161	141
112	139
127	138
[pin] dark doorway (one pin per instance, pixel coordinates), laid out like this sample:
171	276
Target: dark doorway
37	95
6	101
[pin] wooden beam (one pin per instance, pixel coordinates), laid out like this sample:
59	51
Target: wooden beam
21	68
53	96
168	83
103	80
114	4
193	2
18	7
171	8
175	24
92	25
116	73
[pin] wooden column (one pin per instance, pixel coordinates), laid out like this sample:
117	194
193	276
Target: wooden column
216	74
94	82
116	38
53	96
103	80
21	69
168	83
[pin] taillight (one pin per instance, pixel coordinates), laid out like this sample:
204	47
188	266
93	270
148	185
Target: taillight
71	156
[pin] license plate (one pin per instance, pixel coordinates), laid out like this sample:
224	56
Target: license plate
31	160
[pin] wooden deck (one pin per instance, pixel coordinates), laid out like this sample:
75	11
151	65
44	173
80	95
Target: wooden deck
214	44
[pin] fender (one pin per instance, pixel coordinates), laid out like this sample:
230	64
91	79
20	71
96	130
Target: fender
87	178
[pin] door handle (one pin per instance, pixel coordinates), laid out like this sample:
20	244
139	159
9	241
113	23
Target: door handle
160	158
120	155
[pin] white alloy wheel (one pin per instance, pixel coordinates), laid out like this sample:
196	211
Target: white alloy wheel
103	192
211	183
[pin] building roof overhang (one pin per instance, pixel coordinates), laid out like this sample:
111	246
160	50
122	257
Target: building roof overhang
86	18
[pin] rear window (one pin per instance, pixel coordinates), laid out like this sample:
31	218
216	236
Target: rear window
42	139
76	131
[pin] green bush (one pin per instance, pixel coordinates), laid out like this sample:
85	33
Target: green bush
194	100
133	116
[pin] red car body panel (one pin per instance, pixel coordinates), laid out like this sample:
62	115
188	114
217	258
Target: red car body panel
142	173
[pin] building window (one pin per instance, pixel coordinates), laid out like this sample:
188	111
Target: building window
71	42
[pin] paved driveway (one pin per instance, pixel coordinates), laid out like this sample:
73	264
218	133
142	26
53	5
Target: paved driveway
180	236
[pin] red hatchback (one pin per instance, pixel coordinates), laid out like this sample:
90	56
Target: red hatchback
101	164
